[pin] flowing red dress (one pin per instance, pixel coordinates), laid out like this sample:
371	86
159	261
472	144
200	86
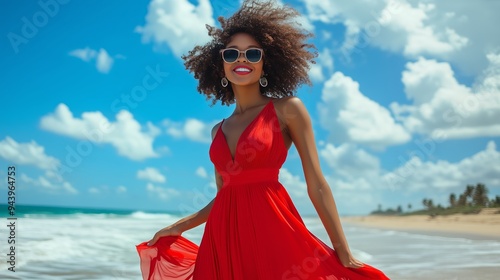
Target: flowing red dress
253	231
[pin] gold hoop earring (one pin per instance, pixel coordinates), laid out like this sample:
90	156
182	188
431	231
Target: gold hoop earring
224	82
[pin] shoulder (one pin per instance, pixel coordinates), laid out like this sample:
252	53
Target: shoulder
215	128
290	109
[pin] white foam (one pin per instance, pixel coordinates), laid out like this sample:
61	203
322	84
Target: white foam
144	215
102	246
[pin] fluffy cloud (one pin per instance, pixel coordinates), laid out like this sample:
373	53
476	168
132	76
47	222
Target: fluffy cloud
94	191
324	63
347	160
162	193
151	174
33	154
201	172
126	134
103	61
357	177
296	186
27	153
178	24
414	30
192	129
351	116
52	185
443	108
440	29
418	174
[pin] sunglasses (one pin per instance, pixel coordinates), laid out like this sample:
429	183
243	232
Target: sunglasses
230	55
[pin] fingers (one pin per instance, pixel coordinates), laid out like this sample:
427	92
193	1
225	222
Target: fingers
153	241
355	264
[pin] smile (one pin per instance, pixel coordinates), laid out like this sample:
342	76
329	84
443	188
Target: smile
241	70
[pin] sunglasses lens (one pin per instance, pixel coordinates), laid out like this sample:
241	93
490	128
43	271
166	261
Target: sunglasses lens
230	55
253	55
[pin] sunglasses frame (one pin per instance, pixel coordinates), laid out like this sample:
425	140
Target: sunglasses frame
239	54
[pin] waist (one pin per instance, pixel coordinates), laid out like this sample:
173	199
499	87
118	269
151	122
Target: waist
251	176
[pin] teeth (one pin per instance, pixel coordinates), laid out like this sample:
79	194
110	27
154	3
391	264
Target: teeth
242	70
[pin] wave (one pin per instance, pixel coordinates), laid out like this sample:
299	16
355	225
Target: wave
28	211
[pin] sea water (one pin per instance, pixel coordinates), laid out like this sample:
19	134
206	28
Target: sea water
64	243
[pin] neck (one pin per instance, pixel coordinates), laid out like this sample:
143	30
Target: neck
247	97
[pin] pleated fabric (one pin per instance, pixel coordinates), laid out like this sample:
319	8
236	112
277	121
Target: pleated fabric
254	231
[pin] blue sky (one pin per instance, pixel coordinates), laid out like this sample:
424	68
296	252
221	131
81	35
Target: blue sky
98	111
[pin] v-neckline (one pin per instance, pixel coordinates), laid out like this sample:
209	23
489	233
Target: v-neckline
233	157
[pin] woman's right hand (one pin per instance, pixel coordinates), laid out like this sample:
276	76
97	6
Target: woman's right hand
171	230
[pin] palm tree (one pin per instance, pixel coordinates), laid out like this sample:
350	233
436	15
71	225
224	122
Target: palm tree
409	206
496	201
453	200
462	200
469	190
425	202
430	204
480	196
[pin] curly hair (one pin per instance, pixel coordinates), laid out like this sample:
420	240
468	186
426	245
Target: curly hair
286	55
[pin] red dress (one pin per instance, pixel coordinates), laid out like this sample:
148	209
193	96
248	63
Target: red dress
253	231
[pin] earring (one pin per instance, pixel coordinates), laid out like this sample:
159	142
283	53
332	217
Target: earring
224	82
263	82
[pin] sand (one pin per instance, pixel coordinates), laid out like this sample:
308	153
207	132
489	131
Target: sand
485	225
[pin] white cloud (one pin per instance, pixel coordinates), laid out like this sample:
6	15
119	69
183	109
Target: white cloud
151	174
162	193
418	34
52	185
103	61
30	153
94	191
443	108
33	154
347	160
442	29
316	73
121	189
324	63
359	182
418	174
296	186
192	129
201	172
178	24
351	116
125	134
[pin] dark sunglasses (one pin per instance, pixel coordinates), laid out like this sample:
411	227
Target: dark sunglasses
230	55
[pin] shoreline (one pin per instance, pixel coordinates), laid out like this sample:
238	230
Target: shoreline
482	226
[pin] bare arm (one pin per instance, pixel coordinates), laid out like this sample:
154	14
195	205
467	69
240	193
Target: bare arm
192	220
300	129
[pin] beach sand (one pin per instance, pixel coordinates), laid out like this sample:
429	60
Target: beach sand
485	225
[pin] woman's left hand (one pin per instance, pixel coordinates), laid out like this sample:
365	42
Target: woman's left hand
347	259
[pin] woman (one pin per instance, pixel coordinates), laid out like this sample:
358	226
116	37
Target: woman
253	230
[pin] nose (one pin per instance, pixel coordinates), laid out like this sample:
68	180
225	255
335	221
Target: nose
242	57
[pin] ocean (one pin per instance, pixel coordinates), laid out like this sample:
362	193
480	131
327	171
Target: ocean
72	243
